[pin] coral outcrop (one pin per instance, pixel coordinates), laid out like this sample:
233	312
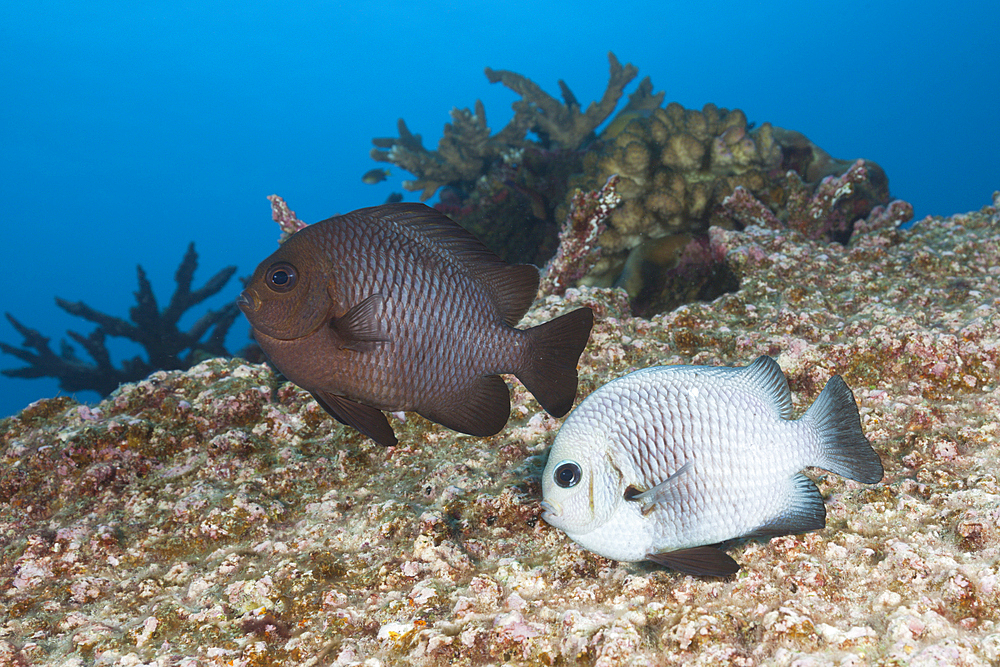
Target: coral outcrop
677	167
215	517
167	346
468	149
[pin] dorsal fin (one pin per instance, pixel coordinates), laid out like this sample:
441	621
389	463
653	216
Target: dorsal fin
511	287
765	374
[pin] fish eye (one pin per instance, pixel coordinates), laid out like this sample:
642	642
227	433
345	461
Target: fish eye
281	277
567	474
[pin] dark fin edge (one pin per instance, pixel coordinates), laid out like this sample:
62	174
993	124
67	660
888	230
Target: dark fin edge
846	450
704	561
806	511
366	419
480	409
549	369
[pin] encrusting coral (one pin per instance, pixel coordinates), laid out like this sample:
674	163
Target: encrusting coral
166	346
214	517
676	167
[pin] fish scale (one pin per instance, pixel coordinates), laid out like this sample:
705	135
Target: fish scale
396	307
673	459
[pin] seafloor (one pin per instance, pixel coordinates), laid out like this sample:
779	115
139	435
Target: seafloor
213	518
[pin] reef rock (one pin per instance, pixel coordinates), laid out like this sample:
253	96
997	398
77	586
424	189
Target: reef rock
217	517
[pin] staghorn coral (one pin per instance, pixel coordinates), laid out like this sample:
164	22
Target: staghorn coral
211	517
561	124
468	149
155	330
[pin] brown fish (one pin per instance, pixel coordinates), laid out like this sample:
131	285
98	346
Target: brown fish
397	307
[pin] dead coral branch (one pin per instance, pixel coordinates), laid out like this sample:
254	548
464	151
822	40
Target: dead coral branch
578	250
155	330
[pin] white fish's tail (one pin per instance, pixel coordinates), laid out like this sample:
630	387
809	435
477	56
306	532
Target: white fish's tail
844	448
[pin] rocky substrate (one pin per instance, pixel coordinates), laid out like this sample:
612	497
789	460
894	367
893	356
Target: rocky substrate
217	517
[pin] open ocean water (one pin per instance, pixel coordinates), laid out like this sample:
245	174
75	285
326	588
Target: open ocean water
128	130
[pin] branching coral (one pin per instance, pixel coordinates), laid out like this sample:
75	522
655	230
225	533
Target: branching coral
561	124
468	150
155	330
677	167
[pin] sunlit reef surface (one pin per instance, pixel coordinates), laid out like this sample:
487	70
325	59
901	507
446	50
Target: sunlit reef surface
211	517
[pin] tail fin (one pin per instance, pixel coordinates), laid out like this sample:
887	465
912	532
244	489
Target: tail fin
845	449
549	371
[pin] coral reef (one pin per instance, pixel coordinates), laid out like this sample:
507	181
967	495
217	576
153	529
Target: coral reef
578	250
155	330
677	167
468	149
562	125
212	517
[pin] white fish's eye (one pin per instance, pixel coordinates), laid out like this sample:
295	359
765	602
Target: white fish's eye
567	474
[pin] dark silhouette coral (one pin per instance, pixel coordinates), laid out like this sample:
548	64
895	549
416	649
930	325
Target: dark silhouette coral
167	347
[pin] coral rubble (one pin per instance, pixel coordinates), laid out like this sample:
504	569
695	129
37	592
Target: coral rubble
212	517
155	330
677	168
578	250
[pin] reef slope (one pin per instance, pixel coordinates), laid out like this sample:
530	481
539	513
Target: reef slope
214	517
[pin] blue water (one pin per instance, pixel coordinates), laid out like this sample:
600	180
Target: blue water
128	130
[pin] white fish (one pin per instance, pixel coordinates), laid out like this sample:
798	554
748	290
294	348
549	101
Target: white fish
666	460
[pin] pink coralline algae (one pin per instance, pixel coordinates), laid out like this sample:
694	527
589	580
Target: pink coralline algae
578	250
816	214
218	516
285	217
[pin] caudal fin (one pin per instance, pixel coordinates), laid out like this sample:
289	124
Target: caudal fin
845	449
549	372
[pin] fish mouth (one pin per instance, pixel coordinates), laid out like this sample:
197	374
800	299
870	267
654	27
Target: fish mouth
550	510
248	301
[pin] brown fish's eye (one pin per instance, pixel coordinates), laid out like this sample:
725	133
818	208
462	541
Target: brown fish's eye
567	474
281	277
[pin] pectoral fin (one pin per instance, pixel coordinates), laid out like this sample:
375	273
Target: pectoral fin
360	324
665	491
701	561
366	419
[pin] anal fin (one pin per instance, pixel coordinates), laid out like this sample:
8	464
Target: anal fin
706	561
366	419
481	408
804	511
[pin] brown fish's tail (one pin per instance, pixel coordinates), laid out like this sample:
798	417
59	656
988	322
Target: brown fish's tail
549	370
